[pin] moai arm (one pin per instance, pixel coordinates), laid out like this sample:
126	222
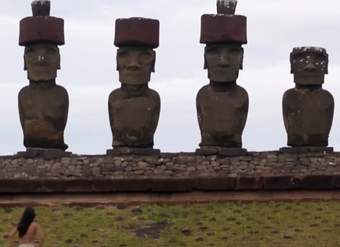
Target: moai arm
20	106
64	98
156	114
111	116
199	98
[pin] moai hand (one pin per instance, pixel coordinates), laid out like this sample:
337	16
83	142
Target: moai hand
134	108
222	106
43	105
308	109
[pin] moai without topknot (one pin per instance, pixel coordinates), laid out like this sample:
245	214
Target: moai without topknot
134	108
308	109
43	105
222	106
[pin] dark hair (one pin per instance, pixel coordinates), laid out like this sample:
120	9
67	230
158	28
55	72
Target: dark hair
26	220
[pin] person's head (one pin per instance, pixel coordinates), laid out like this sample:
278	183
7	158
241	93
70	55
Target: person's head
223	61
135	64
309	65
26	220
42	60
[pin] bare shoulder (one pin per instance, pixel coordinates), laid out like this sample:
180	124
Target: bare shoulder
34	227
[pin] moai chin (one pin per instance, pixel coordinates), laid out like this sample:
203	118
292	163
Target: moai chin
222	106
308	109
134	108
43	105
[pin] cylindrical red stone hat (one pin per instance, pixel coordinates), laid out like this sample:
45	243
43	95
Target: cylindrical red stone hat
225	27
41	27
137	31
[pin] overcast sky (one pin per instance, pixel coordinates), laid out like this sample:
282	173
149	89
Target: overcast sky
88	67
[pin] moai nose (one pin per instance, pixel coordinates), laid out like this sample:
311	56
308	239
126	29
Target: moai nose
224	60
134	64
310	67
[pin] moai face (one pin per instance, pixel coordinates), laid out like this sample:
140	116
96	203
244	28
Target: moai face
309	65
42	60
135	65
223	61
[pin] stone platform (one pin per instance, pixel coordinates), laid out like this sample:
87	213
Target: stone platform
170	172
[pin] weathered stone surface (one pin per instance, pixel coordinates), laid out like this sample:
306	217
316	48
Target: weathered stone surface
134	108
307	149
43	105
137	31
134	117
222	112
171	173
222	106
308	109
210	150
136	151
43	153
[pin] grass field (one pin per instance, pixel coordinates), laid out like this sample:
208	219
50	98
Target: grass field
271	224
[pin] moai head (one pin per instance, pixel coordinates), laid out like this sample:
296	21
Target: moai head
41	34
223	35
309	65
136	39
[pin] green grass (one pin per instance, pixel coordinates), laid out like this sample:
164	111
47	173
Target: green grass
217	224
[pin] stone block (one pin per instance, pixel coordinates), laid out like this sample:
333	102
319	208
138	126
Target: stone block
131	151
316	182
228	152
298	150
278	183
216	184
249	183
48	154
173	184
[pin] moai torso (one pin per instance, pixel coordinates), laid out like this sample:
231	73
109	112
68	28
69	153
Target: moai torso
43	115
134	117
308	109
222	115
308	116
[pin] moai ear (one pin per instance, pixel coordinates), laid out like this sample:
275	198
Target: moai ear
25	66
327	61
59	67
154	61
241	62
117	64
205	59
291	58
205	62
117	67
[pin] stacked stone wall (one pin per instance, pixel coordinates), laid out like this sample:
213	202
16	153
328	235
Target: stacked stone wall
181	172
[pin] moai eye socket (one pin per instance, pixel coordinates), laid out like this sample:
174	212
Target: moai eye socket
146	57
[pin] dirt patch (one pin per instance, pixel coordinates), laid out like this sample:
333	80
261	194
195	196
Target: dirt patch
152	230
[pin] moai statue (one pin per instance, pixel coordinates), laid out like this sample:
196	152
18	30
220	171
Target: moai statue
134	108
43	105
222	106
308	109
